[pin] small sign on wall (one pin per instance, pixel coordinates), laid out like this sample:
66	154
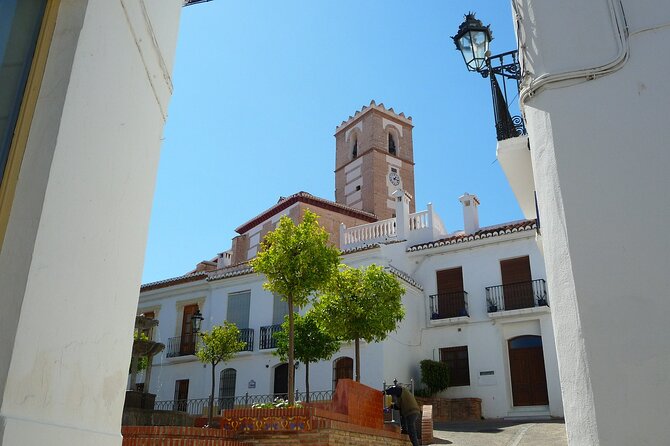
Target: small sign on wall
487	378
252	384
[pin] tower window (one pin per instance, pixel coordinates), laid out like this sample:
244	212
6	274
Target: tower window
354	151
392	149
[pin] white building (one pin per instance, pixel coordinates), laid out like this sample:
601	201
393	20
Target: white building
595	96
84	96
474	298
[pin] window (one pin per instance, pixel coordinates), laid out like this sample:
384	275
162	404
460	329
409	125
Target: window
450	298
181	395
279	309
227	381
20	22
187	340
354	151
392	145
517	283
459	368
238	309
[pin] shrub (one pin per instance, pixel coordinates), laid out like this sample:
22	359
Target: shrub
435	375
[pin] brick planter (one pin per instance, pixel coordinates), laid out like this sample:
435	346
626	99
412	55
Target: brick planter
261	420
454	409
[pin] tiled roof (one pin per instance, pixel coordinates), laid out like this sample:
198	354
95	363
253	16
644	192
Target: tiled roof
190	277
373	106
404	276
359	249
230	271
490	231
307	198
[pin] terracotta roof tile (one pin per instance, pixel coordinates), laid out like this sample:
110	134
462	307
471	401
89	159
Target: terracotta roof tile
305	197
490	231
190	277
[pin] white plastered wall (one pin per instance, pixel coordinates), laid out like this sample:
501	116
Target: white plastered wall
72	255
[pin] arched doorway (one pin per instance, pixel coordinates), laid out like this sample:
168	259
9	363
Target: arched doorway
526	364
342	368
228	379
280	388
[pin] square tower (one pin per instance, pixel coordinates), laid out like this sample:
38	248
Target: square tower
374	158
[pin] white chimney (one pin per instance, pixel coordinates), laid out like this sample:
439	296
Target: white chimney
402	200
470	213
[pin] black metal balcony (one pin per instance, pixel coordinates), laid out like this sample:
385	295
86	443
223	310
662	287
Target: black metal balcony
247	336
182	345
448	305
267	339
514	296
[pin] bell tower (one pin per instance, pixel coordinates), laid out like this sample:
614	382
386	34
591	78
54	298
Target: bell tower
374	158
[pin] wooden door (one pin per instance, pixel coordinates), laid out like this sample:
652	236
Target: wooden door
281	381
517	283
528	377
450	296
343	368
187	344
181	395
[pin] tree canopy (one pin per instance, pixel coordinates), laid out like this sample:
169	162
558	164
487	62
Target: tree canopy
220	344
312	344
297	260
361	304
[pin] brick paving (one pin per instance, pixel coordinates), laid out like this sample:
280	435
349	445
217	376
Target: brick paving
501	433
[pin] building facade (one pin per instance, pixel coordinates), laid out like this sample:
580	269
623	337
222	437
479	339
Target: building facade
474	298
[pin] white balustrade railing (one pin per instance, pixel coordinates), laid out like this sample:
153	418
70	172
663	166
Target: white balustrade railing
370	233
418	220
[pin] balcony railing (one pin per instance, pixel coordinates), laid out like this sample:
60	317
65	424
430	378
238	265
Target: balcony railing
182	345
247	336
448	305
514	296
199	406
266	339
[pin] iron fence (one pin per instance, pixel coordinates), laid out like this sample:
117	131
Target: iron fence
518	295
182	345
266	338
199	406
447	305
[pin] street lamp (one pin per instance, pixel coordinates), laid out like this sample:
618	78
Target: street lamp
472	40
196	322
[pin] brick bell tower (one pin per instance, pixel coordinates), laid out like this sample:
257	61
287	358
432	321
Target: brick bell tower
374	157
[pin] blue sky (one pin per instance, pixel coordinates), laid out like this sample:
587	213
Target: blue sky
261	85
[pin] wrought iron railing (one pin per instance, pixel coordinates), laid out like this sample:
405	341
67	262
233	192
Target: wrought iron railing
447	305
182	345
247	336
266	339
199	406
518	295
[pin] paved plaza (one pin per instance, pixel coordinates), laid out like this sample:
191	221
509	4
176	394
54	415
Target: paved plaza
501	433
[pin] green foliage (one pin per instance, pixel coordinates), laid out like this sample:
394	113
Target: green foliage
361	304
220	344
142	361
435	375
312	344
296	260
277	403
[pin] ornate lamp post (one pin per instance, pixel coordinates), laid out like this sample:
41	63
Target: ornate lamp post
196	322
472	40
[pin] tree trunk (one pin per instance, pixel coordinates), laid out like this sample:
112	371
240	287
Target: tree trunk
357	344
307	380
291	366
211	399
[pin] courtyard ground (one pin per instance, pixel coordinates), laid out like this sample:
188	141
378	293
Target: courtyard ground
501	433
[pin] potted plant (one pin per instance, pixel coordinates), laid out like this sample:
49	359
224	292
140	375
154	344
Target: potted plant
492	305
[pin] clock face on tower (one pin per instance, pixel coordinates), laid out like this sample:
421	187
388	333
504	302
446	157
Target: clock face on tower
394	178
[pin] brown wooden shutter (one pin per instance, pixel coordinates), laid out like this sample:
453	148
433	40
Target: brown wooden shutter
517	283
450	296
187	345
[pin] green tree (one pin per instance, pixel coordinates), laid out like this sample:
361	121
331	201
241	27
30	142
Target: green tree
312	344
435	375
218	345
361	304
296	261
